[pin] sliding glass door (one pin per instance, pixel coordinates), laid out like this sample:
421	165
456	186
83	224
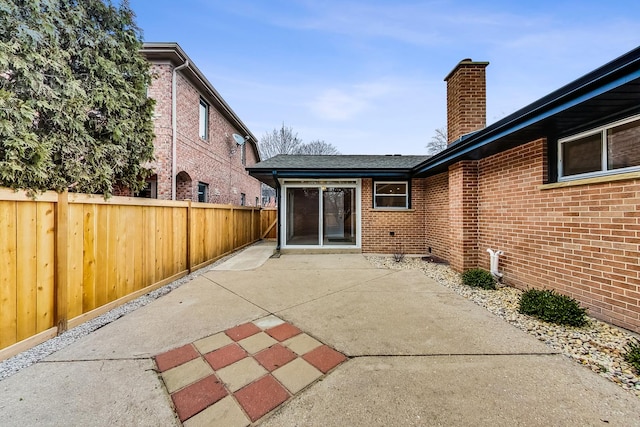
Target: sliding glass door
321	215
303	216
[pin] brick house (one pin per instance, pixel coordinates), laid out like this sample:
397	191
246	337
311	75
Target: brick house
555	186
201	146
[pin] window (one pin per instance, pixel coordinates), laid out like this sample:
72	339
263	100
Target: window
243	154
150	190
203	192
204	119
243	199
610	149
393	195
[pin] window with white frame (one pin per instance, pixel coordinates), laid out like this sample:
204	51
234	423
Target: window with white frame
204	119
609	149
391	194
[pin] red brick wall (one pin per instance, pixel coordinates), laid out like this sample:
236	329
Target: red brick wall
583	241
437	229
466	99
160	90
463	215
408	225
215	161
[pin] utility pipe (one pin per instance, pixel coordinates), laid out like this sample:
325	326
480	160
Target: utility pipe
174	126
495	258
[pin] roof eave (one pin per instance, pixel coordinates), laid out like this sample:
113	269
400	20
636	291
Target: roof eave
612	75
267	175
173	52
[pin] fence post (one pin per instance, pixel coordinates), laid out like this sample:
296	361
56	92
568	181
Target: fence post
189	231
62	261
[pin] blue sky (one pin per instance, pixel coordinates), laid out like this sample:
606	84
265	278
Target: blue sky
367	76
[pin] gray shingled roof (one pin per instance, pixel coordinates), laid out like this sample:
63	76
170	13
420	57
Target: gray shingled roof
338	162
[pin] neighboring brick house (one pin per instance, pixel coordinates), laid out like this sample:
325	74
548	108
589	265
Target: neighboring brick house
555	186
196	153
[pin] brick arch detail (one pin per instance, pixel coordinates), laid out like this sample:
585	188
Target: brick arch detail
184	186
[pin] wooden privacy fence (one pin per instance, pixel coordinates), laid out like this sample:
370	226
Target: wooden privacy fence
268	223
67	258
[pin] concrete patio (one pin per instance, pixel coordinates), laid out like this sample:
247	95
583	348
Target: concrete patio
418	355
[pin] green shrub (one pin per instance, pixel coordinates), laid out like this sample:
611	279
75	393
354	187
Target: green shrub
552	307
479	278
632	354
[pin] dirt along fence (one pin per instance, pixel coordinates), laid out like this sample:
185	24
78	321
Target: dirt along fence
67	258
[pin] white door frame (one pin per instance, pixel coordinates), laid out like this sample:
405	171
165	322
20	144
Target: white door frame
320	183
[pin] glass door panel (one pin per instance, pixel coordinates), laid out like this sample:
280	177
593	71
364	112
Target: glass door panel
339	216
303	216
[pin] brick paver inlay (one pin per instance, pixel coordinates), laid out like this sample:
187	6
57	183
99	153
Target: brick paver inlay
256	372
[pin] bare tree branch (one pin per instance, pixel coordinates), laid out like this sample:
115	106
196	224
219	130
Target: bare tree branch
317	147
438	141
279	141
286	141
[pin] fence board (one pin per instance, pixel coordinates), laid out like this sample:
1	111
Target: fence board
102	255
8	280
45	255
26	275
128	261
167	247
113	241
179	238
89	244
138	250
75	259
149	225
159	238
61	280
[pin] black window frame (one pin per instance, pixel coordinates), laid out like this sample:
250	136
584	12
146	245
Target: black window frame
203	192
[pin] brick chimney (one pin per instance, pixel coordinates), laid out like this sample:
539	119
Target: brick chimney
466	99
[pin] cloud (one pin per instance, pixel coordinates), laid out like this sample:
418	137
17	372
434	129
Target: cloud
334	104
345	104
425	23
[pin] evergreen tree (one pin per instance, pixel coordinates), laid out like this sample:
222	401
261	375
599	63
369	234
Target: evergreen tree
73	107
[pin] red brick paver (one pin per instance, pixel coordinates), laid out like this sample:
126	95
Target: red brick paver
243	331
274	357
260	397
176	357
198	396
283	331
225	356
297	364
324	358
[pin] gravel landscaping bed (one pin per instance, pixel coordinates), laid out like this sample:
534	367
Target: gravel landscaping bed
598	345
35	354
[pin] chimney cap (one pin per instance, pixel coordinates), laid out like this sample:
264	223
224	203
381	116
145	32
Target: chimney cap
465	63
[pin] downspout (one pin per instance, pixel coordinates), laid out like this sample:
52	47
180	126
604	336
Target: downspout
174	126
279	202
495	258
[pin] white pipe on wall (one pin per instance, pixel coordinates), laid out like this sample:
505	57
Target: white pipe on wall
495	258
